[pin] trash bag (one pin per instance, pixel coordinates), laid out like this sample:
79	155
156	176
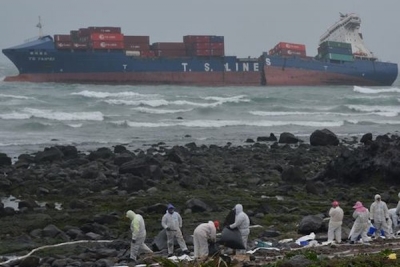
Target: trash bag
231	238
230	218
212	249
160	241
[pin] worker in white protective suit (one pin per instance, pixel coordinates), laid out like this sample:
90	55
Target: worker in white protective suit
379	215
393	221
242	222
138	229
172	223
335	223
397	213
361	223
202	235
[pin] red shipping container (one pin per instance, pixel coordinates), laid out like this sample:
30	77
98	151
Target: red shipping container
217	52
148	53
107	45
115	37
62	38
63	45
203	52
291	46
82	32
136	46
196	38
79	46
104	29
168	45
217	46
137	39
200	46
289	52
170	53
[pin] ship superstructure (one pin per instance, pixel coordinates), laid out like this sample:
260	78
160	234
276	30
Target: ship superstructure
347	30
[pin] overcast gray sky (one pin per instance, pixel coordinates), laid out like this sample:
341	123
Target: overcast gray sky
250	27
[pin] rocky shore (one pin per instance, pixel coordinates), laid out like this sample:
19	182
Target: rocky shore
285	185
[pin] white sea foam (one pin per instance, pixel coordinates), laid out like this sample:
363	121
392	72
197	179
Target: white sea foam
64	116
291	113
14	96
230	123
365	90
160	111
234	99
189	103
15	116
380	122
77	125
151	103
94	94
387	111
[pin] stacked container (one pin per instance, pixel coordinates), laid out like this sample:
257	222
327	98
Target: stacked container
288	49
169	49
335	51
204	45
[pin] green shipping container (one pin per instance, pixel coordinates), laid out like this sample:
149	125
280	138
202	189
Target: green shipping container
339	57
335	44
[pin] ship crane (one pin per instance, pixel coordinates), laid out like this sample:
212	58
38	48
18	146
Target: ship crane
40	26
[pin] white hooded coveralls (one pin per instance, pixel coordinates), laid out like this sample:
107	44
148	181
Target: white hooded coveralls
242	222
201	235
335	224
380	214
361	225
138	229
173	224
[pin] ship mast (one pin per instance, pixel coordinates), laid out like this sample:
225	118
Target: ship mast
40	26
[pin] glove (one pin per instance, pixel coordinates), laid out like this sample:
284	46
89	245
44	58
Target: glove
229	227
372	221
168	229
387	219
133	241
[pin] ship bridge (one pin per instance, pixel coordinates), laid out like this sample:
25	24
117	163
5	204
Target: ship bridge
346	30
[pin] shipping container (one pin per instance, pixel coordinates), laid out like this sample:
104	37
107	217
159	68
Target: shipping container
334	50
169	53
196	38
216	39
115	37
106	45
104	29
131	53
83	32
198	46
79	45
148	53
136	46
63	45
217	46
168	45
335	44
291	46
339	57
217	52
290	52
62	38
137	39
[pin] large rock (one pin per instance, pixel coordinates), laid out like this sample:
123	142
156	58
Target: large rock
288	138
323	138
5	160
310	223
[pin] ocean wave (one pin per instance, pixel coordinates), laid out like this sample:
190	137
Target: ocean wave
230	123
365	90
160	111
64	116
233	99
299	113
387	111
77	125
95	94
151	103
15	96
15	116
196	104
370	122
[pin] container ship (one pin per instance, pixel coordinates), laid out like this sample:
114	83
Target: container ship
106	55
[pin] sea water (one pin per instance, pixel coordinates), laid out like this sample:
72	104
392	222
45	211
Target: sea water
38	115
